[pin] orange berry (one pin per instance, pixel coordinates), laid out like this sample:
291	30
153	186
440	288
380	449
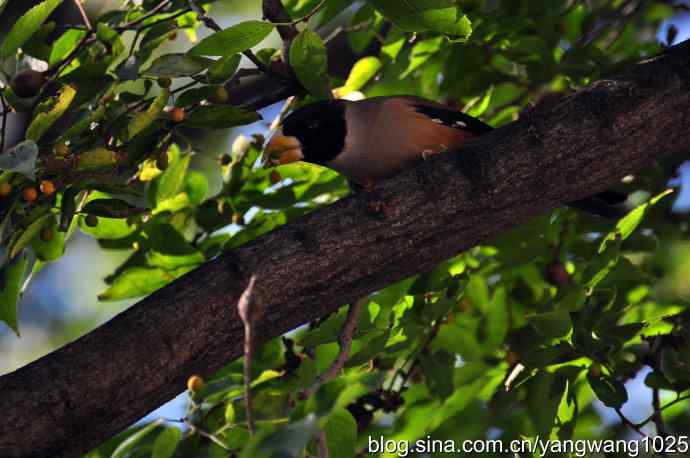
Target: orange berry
29	194
5	189
238	218
177	114
172	35
47	187
195	383
220	95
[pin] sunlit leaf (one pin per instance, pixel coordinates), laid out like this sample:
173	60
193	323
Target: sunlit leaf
26	26
308	60
233	40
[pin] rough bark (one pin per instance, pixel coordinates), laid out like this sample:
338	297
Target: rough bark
76	397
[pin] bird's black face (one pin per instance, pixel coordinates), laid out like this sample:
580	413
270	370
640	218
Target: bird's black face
320	129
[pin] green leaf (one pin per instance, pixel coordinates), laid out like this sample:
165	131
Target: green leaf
196	187
438	372
52	249
478	292
21	159
609	390
26	26
629	222
545	392
308	61
142	120
498	320
341	434
96	158
32	230
170	182
363	71
177	65
223	68
49	111
139	281
122	451
64	45
416	16
108	228
368	23
166	442
11	277
552	324
421	52
169	249
233	40
220	117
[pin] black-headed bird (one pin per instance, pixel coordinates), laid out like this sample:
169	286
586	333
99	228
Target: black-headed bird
374	139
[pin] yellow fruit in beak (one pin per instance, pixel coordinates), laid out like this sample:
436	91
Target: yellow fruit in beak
282	149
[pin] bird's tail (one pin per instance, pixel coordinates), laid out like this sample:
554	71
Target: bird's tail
607	204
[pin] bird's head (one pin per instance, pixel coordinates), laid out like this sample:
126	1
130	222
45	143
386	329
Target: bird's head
313	133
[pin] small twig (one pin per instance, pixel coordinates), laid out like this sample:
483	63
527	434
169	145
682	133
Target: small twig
629	423
5	112
194	429
84	17
658	418
144	17
323	445
249	311
275	12
345	344
662	408
85	41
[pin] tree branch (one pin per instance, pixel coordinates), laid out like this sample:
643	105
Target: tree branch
78	396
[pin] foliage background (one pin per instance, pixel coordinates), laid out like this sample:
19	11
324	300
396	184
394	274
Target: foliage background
563	295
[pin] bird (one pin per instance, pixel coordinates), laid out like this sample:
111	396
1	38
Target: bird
376	138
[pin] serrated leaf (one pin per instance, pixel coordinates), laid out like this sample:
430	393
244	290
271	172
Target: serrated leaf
177	65
142	120
233	40
11	277
308	61
26	26
21	159
220	117
50	111
419	16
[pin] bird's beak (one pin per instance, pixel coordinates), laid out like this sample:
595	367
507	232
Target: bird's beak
282	149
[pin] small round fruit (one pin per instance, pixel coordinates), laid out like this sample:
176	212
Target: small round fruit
47	234
61	149
162	160
164	82
225	159
238	218
195	383
594	370
47	187
275	177
27	83
557	275
220	95
177	114
5	189
29	194
172	35
91	220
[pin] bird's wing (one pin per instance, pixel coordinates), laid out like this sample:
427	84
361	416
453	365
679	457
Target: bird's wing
447	116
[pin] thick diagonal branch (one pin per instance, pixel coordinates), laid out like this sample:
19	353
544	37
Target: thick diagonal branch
74	398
